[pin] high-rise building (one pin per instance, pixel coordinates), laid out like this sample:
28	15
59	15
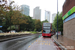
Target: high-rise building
53	17
25	9
47	16
37	13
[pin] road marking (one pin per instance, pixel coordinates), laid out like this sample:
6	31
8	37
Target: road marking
45	43
36	40
29	46
49	43
42	43
32	43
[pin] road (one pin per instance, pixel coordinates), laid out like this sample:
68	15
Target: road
43	44
32	42
17	44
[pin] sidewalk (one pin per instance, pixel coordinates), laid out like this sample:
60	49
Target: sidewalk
67	43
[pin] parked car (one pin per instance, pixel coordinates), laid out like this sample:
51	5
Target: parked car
12	31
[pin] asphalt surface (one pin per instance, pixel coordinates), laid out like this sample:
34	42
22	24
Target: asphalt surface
43	44
18	43
32	42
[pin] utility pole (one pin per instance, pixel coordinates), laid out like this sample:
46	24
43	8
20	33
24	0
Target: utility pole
57	19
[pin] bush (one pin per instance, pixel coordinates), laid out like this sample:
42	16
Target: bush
34	30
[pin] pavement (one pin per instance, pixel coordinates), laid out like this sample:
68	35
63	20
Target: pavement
43	44
64	42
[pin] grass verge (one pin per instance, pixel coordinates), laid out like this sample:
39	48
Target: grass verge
33	32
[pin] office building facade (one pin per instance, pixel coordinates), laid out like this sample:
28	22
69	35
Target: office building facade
53	17
47	16
25	9
37	13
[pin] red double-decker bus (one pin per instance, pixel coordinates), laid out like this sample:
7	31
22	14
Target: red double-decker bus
46	29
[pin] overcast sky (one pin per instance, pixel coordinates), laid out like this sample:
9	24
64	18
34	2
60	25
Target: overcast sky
49	5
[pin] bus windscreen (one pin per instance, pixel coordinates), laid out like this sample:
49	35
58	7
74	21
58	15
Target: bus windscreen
46	27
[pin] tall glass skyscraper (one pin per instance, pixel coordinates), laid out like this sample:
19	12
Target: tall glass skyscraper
47	16
25	9
53	17
37	13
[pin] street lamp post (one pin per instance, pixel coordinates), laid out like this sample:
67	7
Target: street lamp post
57	19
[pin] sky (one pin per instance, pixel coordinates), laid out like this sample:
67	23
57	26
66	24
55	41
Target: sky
48	5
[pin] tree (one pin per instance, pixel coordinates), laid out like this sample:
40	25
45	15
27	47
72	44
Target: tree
60	23
18	18
4	14
38	25
3	8
30	23
44	21
29	26
12	27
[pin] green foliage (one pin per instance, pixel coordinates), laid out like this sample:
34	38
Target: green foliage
34	30
12	27
44	21
60	23
18	18
29	26
38	25
32	24
10	16
5	15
